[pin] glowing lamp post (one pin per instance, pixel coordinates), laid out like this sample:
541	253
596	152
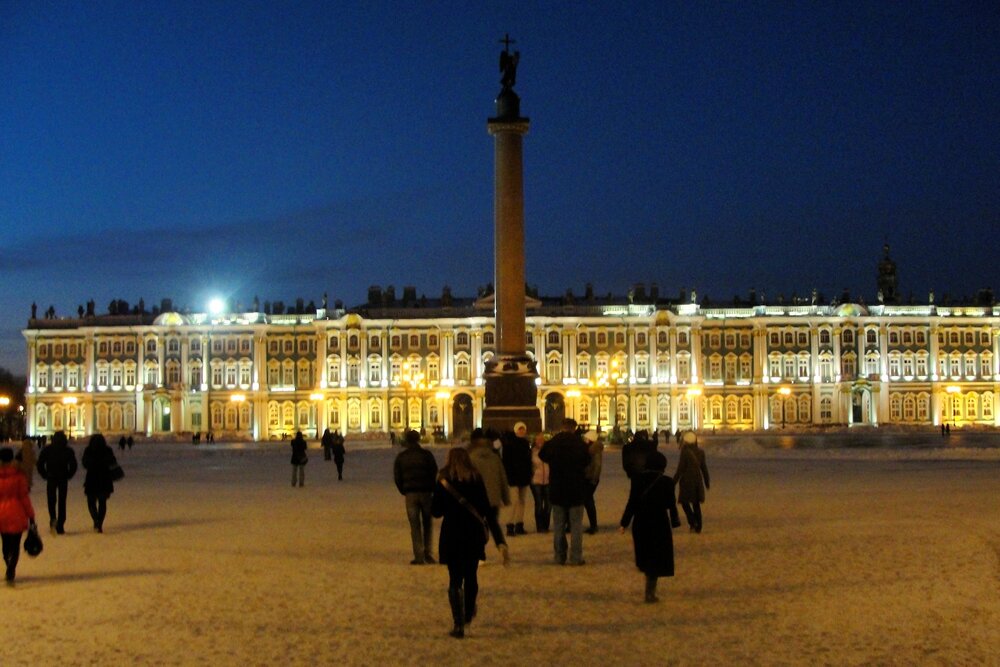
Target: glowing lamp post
785	392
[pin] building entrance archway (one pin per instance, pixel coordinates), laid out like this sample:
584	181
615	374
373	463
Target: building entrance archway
555	411
462	416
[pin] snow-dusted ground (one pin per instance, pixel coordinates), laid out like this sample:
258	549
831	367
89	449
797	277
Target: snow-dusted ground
882	550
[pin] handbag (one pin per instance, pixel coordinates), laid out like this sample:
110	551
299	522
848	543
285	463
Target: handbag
467	505
33	541
116	473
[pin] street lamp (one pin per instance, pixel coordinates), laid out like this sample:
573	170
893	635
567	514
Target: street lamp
575	394
785	392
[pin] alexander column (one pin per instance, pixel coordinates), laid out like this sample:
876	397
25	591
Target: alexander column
511	393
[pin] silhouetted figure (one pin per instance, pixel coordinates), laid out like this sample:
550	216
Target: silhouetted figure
338	454
652	511
414	472
101	466
57	465
692	480
460	500
327	442
299	459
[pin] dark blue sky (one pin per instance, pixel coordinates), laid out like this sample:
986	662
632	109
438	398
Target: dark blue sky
286	149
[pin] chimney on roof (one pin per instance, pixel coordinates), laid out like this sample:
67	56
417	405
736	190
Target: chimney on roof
409	295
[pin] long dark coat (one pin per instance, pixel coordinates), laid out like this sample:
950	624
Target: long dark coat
651	514
97	461
567	456
338	449
462	538
517	460
299	451
691	475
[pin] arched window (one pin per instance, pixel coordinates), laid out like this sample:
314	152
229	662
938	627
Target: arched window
488	338
553	338
805	409
462	339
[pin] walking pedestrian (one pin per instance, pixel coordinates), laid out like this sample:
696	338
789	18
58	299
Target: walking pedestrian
338	454
490	467
327	442
415	474
131	441
16	512
101	465
516	454
567	456
692	480
299	459
121	443
540	486
652	511
460	499
593	477
57	465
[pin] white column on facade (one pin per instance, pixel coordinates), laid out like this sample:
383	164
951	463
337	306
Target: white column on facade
814	371
837	407
541	340
139	389
569	359
882	405
161	348
568	339
90	351
342	344
995	338
672	337
321	335
448	356
935	349
363	376
695	339
476	336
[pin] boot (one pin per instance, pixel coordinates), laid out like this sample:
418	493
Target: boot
504	554
455	597
651	590
510	530
519	528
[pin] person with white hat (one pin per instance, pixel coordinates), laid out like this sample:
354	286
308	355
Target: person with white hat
516	455
692	479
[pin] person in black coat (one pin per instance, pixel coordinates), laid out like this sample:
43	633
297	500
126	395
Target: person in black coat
568	457
57	465
692	479
516	455
338	454
460	500
99	461
327	442
652	511
415	473
299	459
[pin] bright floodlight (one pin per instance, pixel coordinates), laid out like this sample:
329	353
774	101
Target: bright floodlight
215	306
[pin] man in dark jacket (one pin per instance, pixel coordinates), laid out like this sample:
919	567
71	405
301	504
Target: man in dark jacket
517	463
57	465
415	473
567	456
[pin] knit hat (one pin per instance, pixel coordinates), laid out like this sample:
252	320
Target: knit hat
6	455
520	428
656	461
689	438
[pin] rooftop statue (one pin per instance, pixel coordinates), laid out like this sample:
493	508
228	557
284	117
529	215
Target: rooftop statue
508	64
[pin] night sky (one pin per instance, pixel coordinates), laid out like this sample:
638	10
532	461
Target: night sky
286	149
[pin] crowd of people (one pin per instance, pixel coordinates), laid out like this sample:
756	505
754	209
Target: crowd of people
493	474
479	494
57	465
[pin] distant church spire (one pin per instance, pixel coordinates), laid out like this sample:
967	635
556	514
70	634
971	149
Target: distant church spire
887	279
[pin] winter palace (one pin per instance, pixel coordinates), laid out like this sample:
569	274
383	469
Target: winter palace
636	362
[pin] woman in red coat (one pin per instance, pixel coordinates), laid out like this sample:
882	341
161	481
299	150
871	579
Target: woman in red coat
16	512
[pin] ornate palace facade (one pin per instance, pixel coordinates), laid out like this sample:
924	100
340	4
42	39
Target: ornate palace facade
636	363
